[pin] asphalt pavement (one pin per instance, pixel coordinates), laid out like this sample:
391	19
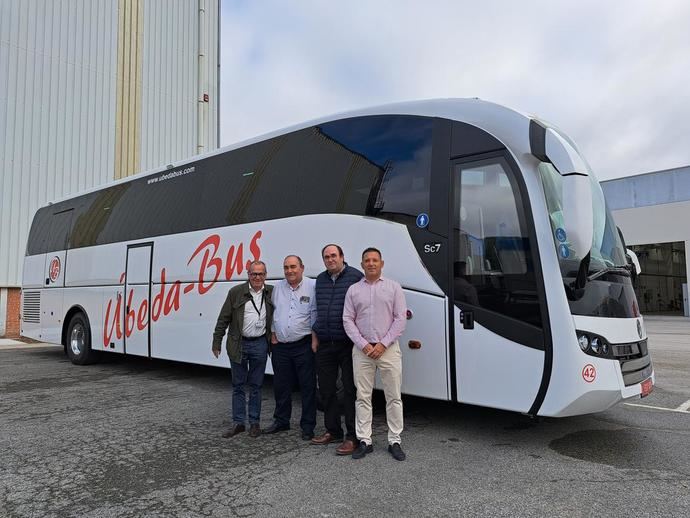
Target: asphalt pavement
138	437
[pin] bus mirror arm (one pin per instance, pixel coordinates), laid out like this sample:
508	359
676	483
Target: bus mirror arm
576	289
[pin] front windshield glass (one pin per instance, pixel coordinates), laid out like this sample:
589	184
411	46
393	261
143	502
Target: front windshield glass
607	249
610	295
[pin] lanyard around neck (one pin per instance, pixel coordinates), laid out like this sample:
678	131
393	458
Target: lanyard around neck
258	310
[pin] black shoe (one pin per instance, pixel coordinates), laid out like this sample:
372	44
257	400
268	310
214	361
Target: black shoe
362	450
307	436
234	430
275	428
254	430
395	450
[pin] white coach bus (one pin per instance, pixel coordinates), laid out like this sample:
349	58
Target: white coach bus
518	288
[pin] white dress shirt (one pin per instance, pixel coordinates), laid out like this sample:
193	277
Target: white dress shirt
295	309
254	324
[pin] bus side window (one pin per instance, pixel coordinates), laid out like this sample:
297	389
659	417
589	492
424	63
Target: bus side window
60	226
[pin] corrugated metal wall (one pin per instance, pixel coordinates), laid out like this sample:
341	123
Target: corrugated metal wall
169	130
58	100
57	110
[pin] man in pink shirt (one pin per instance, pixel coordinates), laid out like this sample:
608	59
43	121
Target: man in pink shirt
374	317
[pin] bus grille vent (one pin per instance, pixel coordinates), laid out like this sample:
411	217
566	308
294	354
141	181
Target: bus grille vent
31	310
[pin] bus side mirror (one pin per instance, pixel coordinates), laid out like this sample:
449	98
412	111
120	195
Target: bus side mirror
578	217
635	268
634	261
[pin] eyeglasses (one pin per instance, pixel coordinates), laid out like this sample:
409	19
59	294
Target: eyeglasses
254	274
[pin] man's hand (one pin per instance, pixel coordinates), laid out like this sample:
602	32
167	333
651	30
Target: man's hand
274	338
314	342
216	352
368	349
377	351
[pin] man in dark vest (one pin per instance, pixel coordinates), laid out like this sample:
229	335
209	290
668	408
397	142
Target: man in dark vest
334	352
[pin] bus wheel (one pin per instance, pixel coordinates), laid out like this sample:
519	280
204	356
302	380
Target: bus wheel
79	341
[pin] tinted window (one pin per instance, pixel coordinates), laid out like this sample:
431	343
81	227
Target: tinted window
304	172
492	260
50	231
369	165
164	203
40	228
399	146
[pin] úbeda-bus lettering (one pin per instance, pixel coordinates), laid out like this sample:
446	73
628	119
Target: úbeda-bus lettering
168	297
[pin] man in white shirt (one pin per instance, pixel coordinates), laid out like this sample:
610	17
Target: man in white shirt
293	347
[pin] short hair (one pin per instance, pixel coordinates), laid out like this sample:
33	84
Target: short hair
340	250
299	259
371	249
257	263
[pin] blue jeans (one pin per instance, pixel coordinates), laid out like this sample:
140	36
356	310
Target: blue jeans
251	373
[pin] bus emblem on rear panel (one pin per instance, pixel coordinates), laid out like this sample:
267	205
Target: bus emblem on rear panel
54	270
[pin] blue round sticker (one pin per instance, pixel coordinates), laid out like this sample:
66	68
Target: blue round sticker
560	235
422	220
563	250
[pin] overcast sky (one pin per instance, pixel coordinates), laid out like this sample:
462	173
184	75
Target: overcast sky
613	74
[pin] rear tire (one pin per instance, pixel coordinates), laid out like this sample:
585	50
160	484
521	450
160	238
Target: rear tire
78	344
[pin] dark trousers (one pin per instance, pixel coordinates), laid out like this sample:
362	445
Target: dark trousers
249	372
293	364
331	357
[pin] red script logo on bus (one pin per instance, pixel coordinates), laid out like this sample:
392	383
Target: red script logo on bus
170	294
54	270
589	373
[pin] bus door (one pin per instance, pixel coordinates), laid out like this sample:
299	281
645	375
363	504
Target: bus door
137	306
54	276
499	354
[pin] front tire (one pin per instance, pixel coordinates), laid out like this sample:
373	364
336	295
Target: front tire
78	345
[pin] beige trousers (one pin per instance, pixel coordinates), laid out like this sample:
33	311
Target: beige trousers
390	368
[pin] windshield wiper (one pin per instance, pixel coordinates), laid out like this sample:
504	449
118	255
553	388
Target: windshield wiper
619	270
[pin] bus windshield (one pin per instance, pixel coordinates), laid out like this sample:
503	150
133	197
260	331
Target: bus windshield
609	294
607	248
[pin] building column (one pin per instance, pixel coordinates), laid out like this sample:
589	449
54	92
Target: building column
9	312
3	311
686	302
129	83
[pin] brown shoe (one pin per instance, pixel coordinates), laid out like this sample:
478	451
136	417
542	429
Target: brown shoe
254	430
346	448
324	439
234	430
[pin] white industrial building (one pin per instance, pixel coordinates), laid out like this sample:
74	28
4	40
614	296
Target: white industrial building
653	211
92	91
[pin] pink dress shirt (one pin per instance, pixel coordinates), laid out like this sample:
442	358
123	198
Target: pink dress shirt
374	312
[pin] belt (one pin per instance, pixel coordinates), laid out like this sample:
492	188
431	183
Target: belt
305	337
346	343
253	337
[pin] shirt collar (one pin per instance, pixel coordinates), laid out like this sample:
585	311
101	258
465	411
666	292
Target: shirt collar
375	282
256	292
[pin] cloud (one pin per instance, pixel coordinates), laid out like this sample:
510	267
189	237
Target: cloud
613	75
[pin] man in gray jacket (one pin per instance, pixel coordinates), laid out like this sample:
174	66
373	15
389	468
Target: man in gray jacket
246	314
